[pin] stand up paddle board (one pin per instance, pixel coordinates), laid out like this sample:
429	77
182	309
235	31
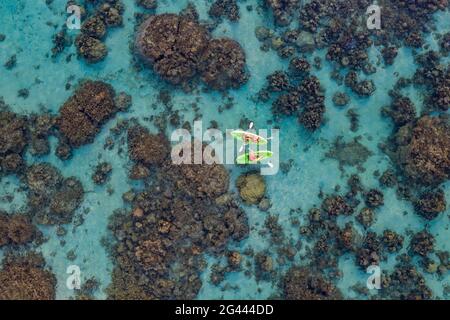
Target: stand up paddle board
260	155
248	137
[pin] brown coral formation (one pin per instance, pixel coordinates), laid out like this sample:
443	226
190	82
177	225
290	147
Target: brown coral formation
81	116
16	229
300	283
173	45
422	243
52	198
89	42
424	150
406	283
252	187
431	204
25	278
305	100
224	64
336	205
13	141
173	223
401	111
283	10
148	149
90	48
178	49
224	8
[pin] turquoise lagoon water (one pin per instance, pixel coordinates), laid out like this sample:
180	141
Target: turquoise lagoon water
29	26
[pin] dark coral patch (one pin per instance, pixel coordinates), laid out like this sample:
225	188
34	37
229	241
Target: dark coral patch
85	111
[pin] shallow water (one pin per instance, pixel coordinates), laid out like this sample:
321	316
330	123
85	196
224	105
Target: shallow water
26	24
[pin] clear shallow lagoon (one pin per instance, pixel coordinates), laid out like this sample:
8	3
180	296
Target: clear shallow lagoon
29	27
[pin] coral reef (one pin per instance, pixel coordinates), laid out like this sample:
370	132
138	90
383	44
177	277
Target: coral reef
41	127
401	111
300	283
173	45
147	148
341	99
374	198
13	140
312	95
389	55
405	282
52	198
251	186
431	204
223	64
282	10
366	217
299	66
159	254
349	153
436	78
16	229
392	241
388	178
81	116
336	205
422	243
102	173
445	43
370	251
423	150
94	27
178	48
147	4
224	8
25	278
90	47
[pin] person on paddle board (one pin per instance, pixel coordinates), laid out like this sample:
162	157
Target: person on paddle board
253	157
247	137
